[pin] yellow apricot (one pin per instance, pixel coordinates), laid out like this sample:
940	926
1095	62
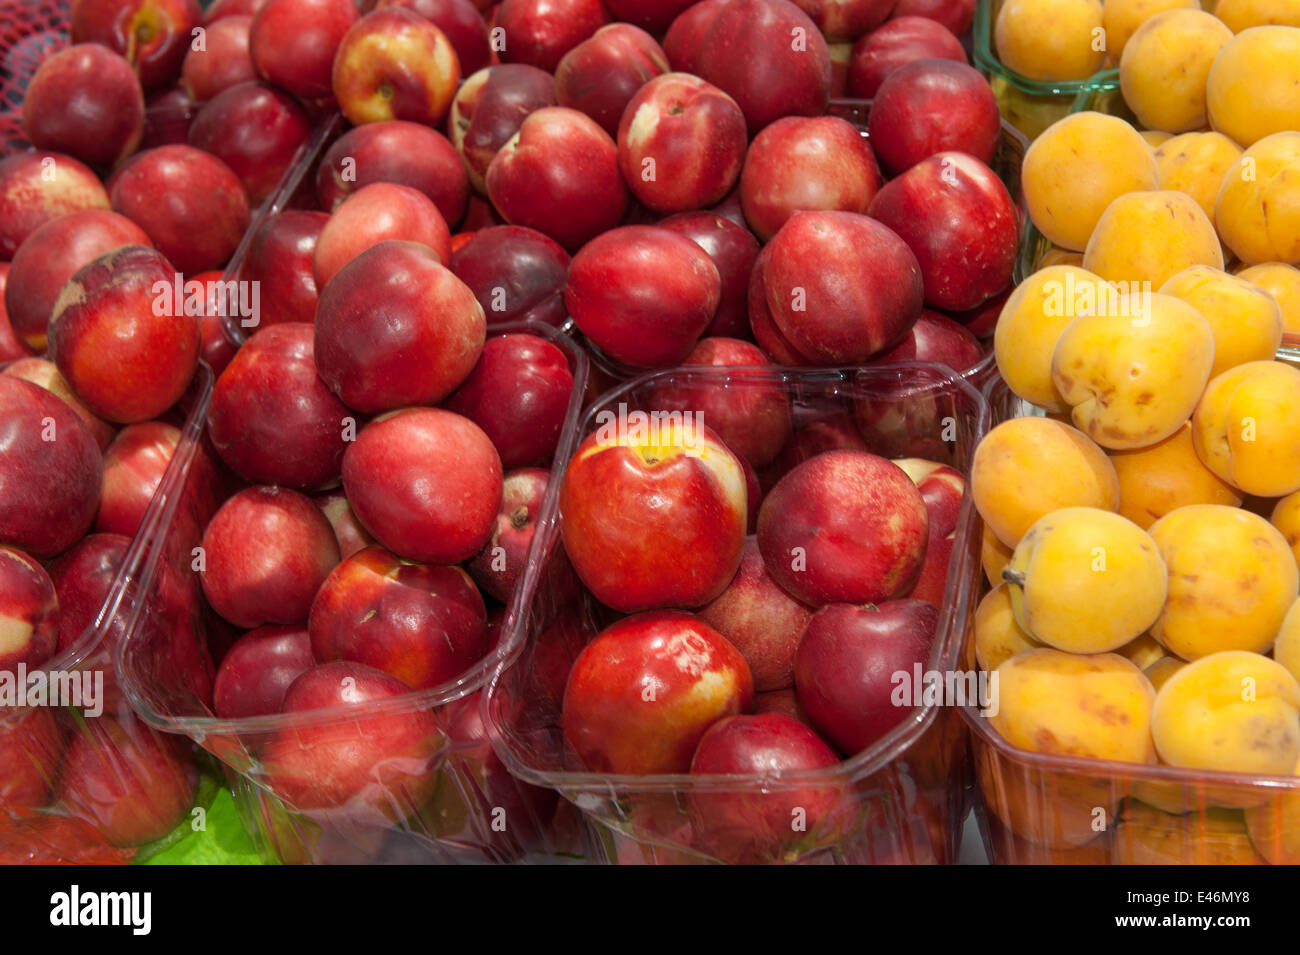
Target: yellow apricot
1165	476
1121	18
1246	428
1232	579
1057	256
1257	211
1253	89
1085	580
998	637
1133	370
1028	467
1160	671
1165	65
1286	649
1241	15
1032	320
1150	236
1050	39
1286	518
1233	711
1246	320
1146	835
1096	706
1282	281
1076	168
1195	163
1142	651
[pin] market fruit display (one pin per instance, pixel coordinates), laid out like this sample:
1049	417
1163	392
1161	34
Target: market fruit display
1172	531
553	427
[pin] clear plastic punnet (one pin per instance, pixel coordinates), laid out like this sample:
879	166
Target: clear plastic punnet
903	799
82	779
1027	104
439	794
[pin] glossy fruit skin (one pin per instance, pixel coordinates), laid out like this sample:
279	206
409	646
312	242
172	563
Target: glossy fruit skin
559	176
733	250
109	311
256	130
515	273
898	42
751	50
394	64
259	669
844	668
85	101
490	107
681	143
279	259
395	328
266	553
49	490
224	62
462	24
206	211
293	42
933	106
539	33
518	393
154	35
424	624
602	73
845	526
630	707
643	295
272	419
861	285
958	219
650	526
36	187
400	152
426	483
745	825
48	259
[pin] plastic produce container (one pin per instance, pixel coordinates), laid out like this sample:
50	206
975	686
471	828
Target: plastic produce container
112	787
1038	809
1027	104
473	811
908	793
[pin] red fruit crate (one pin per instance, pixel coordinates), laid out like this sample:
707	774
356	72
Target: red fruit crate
903	800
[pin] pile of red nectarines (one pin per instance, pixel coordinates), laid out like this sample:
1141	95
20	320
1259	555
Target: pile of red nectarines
670	189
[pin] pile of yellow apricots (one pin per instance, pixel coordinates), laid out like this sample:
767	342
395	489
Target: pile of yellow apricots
1142	530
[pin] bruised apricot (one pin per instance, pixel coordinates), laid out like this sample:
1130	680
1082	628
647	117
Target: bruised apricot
1232	579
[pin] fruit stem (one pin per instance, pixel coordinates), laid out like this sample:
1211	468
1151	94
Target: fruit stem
1016	577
